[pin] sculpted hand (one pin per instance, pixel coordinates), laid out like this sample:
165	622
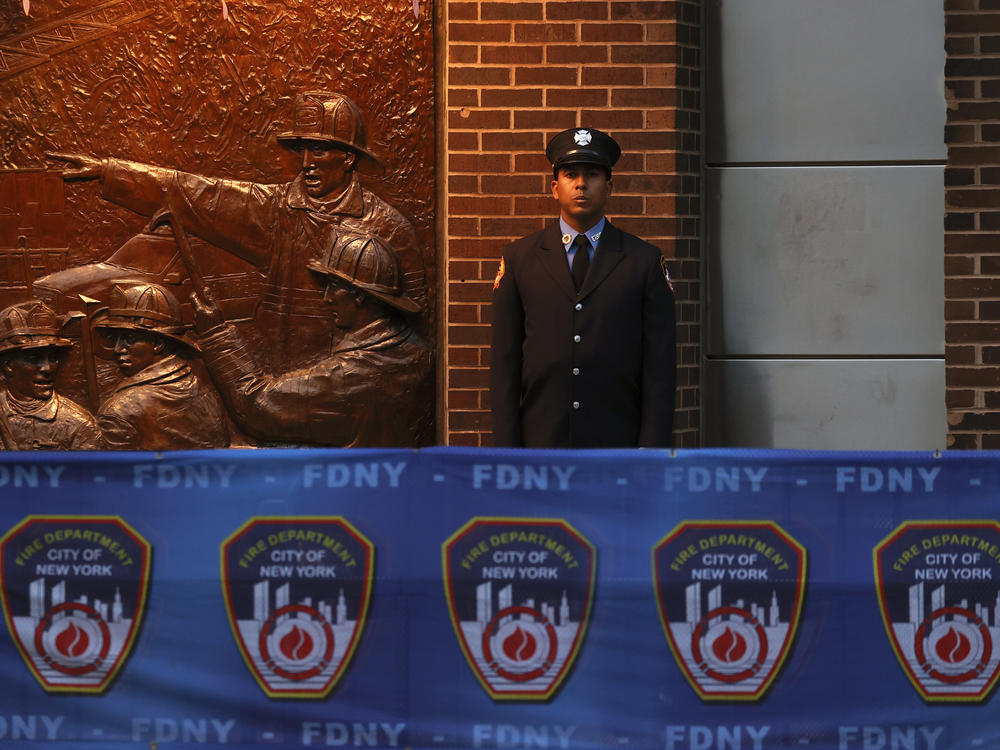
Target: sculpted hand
207	314
82	167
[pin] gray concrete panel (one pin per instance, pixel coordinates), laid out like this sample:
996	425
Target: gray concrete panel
822	80
826	404
819	261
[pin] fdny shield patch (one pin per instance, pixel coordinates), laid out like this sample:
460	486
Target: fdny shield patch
938	588
297	592
730	595
74	592
499	276
519	593
666	273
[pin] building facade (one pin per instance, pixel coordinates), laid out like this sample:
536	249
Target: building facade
823	185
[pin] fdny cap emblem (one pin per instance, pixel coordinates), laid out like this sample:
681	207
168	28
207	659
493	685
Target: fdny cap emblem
582	137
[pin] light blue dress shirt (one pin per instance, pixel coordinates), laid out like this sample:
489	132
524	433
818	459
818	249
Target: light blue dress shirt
593	234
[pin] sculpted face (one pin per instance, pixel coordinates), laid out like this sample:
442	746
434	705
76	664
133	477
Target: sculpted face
135	350
582	191
343	305
326	169
30	373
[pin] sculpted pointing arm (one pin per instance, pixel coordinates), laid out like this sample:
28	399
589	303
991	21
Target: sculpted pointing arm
238	217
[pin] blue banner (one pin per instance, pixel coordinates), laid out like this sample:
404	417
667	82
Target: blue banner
460	598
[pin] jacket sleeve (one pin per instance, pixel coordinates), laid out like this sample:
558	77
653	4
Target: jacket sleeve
118	432
235	216
658	359
505	358
311	405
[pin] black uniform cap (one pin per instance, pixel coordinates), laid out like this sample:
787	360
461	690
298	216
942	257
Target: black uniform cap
583	146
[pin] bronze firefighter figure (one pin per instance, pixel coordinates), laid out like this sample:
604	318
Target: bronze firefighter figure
32	415
161	403
365	392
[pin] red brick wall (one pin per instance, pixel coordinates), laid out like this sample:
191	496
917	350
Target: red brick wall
516	74
972	223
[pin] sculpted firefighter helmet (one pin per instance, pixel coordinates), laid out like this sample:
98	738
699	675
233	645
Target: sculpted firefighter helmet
30	325
328	117
144	307
368	264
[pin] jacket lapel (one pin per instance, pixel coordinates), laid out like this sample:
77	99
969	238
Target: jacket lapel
553	256
609	254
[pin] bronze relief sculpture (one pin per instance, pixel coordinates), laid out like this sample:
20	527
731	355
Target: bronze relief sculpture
243	311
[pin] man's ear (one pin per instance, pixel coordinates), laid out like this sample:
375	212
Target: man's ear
159	344
351	159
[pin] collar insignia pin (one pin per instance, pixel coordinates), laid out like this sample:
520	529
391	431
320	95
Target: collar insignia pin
566	239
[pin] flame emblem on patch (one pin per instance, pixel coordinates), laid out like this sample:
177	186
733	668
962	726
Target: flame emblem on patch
500	270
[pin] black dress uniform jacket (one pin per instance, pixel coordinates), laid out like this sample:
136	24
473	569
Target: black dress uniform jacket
590	369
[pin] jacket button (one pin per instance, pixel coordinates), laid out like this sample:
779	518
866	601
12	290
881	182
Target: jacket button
576	370
579	305
577	338
576	404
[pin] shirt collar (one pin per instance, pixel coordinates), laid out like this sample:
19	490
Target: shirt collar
43	411
569	234
171	365
349	203
377	334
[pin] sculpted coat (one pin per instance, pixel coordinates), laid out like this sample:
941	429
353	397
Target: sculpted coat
621	372
57	424
366	393
278	228
163	407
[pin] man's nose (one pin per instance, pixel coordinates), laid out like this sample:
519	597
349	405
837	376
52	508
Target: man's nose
46	364
120	346
307	158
